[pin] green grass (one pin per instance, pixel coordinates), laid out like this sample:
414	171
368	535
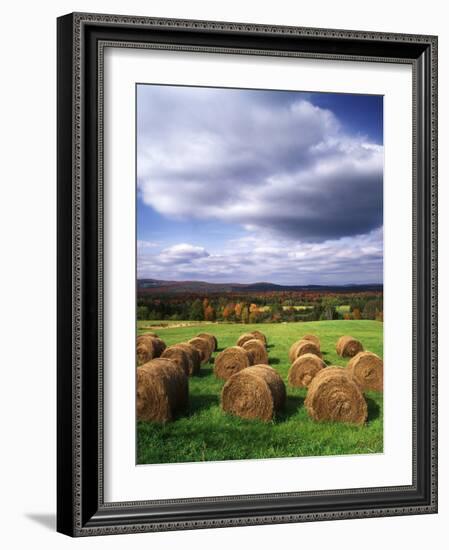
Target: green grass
206	433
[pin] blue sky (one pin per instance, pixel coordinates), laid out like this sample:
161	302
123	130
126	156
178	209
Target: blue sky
253	185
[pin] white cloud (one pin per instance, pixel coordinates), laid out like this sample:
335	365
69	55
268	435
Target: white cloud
181	254
250	159
261	258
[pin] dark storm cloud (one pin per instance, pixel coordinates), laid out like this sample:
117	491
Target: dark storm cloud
263	160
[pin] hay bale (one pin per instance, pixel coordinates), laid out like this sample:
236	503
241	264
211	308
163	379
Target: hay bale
307	339
210	338
305	346
335	396
260	336
178	355
244	338
347	346
302	347
230	361
144	351
153	334
203	347
162	390
304	369
193	356
251	358
158	344
257	350
144	338
257	392
292	351
312	338
368	369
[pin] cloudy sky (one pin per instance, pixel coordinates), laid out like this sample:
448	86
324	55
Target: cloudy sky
254	185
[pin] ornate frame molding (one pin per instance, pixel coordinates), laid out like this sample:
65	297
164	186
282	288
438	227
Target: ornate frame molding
82	511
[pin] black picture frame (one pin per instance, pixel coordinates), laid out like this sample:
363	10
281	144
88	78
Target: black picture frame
81	509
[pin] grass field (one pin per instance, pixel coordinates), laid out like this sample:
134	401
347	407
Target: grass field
206	433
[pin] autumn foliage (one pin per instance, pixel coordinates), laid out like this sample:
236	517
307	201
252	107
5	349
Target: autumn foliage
259	307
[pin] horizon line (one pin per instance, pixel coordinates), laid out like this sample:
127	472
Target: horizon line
254	283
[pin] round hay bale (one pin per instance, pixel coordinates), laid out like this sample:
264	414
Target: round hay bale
368	369
304	346
292	351
307	339
257	392
210	338
158	344
244	338
260	336
304	369
334	396
312	338
144	351
257	350
178	355
162	390
203	347
144	338
230	361
251	358
193	356
347	346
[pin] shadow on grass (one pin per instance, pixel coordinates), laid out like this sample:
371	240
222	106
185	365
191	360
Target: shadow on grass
373	409
292	405
269	346
274	361
202	402
205	370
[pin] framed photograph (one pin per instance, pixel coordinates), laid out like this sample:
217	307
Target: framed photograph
247	277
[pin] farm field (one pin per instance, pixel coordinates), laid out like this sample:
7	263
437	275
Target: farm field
206	433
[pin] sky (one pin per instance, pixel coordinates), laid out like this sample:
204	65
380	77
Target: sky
237	185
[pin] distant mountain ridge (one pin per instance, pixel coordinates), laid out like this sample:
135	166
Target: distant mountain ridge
204	287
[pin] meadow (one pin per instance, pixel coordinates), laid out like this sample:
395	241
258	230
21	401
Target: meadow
206	433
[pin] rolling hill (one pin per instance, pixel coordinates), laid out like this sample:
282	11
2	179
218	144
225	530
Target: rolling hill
157	285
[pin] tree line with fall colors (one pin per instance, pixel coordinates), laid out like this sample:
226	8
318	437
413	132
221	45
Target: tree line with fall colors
256	309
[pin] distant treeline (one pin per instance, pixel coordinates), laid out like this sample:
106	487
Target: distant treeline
269	307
